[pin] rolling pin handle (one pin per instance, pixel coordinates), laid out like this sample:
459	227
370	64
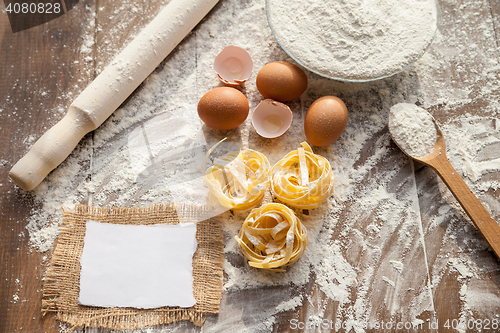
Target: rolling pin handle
51	149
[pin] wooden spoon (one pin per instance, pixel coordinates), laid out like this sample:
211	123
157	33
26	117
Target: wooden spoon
439	162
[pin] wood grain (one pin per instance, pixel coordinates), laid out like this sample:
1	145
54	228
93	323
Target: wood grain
488	227
43	70
38	70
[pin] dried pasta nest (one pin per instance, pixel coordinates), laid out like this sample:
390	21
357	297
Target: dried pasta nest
272	237
302	179
238	180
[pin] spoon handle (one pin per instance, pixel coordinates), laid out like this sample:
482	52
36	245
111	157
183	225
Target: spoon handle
469	202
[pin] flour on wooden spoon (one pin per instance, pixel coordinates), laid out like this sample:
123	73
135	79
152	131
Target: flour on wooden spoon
413	129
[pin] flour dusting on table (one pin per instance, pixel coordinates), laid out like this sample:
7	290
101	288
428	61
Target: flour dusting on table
386	214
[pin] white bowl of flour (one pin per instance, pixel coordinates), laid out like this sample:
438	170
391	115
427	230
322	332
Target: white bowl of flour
354	40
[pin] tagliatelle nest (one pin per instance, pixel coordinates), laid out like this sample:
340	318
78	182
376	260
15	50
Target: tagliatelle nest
272	237
238	180
302	179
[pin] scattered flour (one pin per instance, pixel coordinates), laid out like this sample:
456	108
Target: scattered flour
353	39
413	129
291	304
16	298
371	227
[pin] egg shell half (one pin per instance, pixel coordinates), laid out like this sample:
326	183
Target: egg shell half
271	119
281	81
223	108
233	66
325	120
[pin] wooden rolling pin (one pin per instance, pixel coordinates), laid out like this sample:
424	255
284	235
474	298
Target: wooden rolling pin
110	89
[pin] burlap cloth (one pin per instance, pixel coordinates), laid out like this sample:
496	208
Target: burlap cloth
62	281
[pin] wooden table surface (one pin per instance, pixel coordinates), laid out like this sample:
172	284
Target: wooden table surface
47	58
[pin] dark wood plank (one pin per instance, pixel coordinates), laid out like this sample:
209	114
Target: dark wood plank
45	70
42	59
41	70
442	251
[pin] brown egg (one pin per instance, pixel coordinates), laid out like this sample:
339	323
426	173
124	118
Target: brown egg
223	108
281	81
325	120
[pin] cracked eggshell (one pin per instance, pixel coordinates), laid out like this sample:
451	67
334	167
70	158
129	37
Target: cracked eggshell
271	119
233	66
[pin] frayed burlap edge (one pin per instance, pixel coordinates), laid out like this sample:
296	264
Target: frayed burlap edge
62	280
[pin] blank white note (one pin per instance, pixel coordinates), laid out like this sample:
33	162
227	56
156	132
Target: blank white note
138	266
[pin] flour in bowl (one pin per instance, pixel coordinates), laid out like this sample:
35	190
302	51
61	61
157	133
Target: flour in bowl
353	39
413	129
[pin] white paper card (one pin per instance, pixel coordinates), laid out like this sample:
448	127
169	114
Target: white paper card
138	266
